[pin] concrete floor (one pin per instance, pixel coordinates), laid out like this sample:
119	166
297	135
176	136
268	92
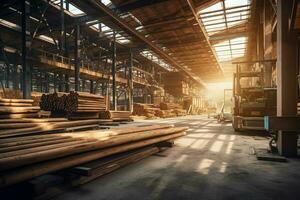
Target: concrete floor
211	162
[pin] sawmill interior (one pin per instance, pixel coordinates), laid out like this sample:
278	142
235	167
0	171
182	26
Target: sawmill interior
149	99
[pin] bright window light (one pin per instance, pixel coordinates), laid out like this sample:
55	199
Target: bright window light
220	17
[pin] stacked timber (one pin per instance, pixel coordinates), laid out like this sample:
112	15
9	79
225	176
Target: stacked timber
82	105
17	108
115	115
298	108
23	158
55	102
74	105
148	110
166	113
21	127
169	106
36	97
180	112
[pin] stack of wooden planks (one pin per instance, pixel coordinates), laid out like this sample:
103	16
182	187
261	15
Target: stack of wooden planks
169	106
17	108
166	113
74	105
20	127
298	108
22	158
115	115
55	102
180	112
148	110
164	110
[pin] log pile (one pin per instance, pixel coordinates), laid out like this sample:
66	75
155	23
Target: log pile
115	115
26	157
74	105
55	102
17	108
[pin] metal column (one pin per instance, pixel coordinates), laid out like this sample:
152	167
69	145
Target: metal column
26	45
130	82
62	42
91	86
113	71
286	76
77	57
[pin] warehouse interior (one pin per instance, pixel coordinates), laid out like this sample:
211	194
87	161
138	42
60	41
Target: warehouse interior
149	99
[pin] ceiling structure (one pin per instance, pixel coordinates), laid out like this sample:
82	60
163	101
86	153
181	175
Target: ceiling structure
203	36
193	36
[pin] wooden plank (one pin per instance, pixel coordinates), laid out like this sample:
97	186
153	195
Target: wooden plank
28	172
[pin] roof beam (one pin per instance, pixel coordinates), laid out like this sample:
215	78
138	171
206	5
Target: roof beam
138	5
93	7
191	5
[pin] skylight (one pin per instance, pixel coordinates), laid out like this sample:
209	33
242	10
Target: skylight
225	16
151	56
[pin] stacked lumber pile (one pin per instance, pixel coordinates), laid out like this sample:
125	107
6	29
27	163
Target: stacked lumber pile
17	108
21	127
115	115
180	112
166	113
82	105
36	97
74	105
10	93
298	108
55	102
26	157
169	106
148	110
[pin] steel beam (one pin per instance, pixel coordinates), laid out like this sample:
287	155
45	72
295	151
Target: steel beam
286	76
98	6
26	45
77	57
138	4
130	82
113	71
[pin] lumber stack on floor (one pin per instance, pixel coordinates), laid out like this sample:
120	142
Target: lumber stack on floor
115	115
12	128
22	158
55	102
169	106
148	110
74	105
164	110
17	108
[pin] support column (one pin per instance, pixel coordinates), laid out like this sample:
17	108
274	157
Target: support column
92	86
46	82
26	45
268	46
54	81
130	82
113	71
77	57
67	87
286	76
